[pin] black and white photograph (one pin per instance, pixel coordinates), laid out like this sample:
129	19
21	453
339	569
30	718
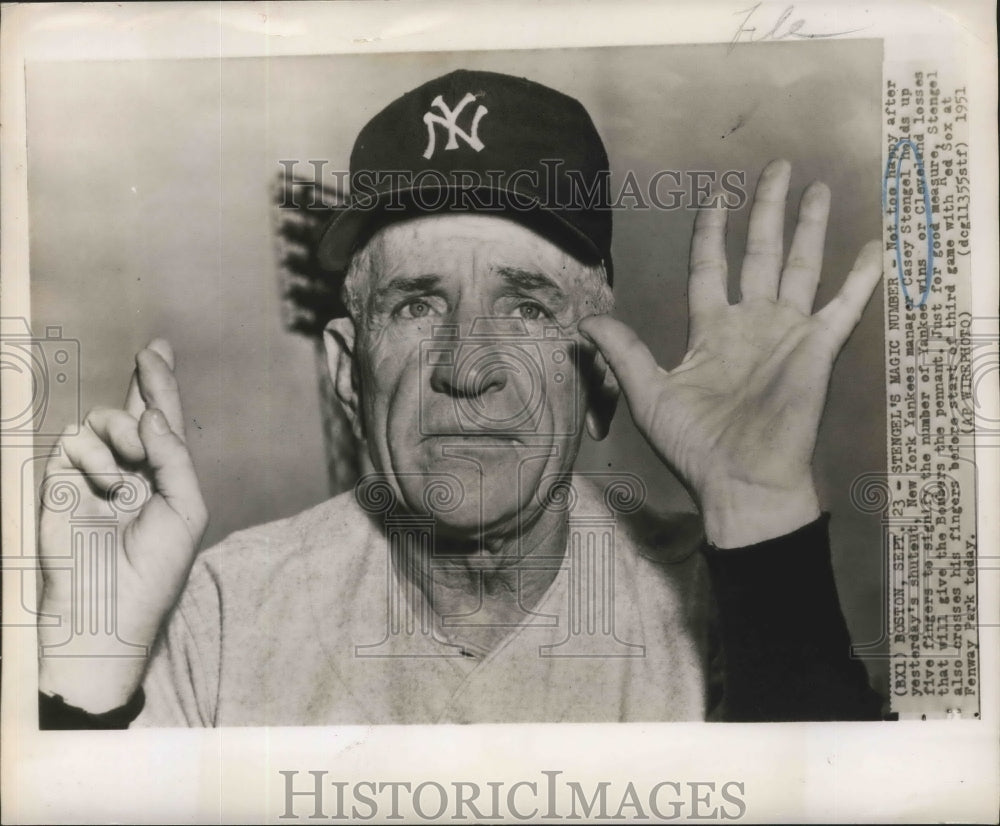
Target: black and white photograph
458	389
433	316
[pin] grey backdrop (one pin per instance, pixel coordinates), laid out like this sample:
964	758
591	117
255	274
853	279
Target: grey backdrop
150	215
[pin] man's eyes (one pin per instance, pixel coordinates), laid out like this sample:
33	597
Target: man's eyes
422	307
532	311
416	308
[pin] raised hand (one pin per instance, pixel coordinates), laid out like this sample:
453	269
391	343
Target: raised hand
116	455
737	419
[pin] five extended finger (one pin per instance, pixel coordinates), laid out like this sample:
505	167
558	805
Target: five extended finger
764	249
843	313
800	277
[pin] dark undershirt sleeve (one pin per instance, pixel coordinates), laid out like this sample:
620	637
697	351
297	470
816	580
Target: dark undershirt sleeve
785	643
55	714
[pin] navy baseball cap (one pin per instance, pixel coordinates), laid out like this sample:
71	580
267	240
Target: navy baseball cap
484	142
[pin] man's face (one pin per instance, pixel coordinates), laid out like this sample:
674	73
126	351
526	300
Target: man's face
471	367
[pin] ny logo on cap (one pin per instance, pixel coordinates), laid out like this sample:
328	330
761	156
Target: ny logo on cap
448	120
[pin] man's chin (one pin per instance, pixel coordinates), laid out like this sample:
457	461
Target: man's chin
469	524
473	486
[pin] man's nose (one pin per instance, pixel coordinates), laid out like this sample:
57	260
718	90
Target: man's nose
475	370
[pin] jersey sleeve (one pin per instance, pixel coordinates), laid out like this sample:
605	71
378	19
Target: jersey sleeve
785	644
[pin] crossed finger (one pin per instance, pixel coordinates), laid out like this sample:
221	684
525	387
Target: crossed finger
154	385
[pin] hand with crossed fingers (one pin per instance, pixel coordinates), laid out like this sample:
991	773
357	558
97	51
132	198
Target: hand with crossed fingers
156	539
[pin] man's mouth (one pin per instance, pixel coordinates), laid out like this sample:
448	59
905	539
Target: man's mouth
475	438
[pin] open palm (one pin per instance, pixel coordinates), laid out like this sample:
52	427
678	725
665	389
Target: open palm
737	419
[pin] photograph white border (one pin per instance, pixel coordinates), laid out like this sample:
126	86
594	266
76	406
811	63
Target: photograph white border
837	772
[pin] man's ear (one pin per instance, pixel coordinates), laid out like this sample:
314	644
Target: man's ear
338	338
602	398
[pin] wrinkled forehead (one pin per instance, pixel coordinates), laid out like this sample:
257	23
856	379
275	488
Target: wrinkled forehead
448	244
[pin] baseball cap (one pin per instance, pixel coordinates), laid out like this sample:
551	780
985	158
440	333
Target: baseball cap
479	141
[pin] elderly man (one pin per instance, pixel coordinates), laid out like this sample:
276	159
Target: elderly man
474	577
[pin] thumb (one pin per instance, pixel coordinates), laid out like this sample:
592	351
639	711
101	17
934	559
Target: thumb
627	356
173	471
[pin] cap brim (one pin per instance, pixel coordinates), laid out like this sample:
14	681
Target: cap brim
354	225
